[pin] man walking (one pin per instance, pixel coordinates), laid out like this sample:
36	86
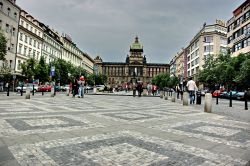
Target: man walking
191	86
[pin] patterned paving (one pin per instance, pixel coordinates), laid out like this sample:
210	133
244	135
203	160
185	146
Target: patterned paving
114	130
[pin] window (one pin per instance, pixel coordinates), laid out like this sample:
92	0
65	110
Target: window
27	26
15	15
39	34
1	5
21	36
19	65
8	11
13	31
34	43
208	39
31	28
237	47
223	41
246	29
26	39
29	52
35	31
246	43
25	50
30	41
38	54
34	53
22	22
12	47
7	28
20	48
208	48
38	45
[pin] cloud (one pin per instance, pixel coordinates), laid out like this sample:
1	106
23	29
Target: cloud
108	27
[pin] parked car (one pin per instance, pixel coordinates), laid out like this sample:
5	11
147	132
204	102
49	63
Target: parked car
100	87
223	94
216	92
44	88
88	87
233	95
240	95
30	86
65	87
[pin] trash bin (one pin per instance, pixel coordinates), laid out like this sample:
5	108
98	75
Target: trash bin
198	97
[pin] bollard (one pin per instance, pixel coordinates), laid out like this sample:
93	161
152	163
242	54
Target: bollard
27	93
217	98
173	97
67	92
171	93
8	90
166	97
208	103
185	98
42	93
245	97
161	94
230	99
33	91
198	97
52	92
22	90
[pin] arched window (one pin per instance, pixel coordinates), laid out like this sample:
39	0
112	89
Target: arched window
15	15
8	11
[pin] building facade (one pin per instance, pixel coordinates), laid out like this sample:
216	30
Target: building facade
134	68
71	53
211	40
9	19
238	28
52	45
30	40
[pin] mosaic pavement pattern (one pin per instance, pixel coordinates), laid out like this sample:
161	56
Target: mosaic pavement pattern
114	130
121	148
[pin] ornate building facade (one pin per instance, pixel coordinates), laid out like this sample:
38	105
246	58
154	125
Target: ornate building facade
134	68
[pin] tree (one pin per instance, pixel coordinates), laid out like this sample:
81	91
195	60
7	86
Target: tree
161	80
3	46
28	68
41	71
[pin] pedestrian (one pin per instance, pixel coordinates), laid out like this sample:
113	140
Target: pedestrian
154	89
177	89
139	89
191	86
81	90
75	88
149	88
6	86
134	89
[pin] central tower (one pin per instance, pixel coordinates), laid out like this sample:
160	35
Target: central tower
136	52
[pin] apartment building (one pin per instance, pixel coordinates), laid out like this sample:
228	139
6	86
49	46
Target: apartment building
52	45
238	28
9	18
30	39
211	40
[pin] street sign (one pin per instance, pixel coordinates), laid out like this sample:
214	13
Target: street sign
52	71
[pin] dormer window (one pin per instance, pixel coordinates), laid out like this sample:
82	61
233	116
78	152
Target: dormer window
8	11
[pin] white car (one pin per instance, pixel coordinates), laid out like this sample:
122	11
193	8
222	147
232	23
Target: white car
100	87
30	86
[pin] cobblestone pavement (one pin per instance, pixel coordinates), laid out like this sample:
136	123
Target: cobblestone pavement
117	130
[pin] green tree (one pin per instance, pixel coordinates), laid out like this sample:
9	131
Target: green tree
41	71
28	68
3	46
161	80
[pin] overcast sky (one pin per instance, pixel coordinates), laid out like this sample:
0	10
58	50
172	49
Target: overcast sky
108	27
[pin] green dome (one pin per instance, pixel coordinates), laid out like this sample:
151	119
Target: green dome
136	45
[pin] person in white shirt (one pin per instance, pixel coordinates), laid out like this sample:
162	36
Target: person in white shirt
191	86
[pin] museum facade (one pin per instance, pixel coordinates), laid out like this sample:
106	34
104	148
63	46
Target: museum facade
135	68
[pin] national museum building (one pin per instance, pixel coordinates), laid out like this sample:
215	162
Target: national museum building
135	68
